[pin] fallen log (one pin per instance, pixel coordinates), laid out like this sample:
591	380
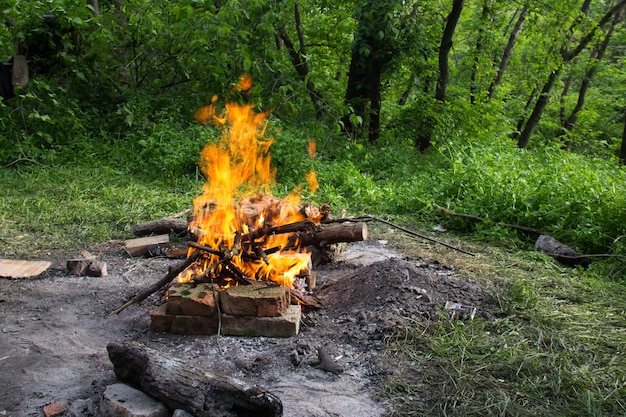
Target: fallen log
561	252
160	226
180	385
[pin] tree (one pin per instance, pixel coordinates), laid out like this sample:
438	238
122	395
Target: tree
566	56
622	150
508	49
444	49
299	60
373	51
596	56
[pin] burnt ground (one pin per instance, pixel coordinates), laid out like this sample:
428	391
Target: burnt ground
55	328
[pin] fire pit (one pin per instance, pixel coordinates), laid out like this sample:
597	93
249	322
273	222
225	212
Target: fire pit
249	264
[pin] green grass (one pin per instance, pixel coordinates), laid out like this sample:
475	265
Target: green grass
555	348
47	208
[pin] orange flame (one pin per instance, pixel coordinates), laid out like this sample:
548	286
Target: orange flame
238	168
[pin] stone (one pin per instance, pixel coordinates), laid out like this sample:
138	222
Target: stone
286	325
257	300
121	400
192	300
181	413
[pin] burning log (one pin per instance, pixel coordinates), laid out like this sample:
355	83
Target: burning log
180	385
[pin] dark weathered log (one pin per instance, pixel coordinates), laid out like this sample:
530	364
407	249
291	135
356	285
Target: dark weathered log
334	233
160	226
181	385
561	252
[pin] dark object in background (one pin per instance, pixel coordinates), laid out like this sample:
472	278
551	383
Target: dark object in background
561	252
13	74
6	85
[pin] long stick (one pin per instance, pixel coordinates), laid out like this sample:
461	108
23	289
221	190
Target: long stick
171	274
410	232
480	219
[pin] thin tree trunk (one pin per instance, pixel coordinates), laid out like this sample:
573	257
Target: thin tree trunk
622	150
444	49
566	56
564	93
95	9
480	46
506	55
375	101
521	120
299	62
597	56
540	105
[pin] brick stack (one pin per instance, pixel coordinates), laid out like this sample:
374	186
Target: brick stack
246	310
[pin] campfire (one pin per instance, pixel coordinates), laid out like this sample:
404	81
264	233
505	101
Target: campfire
250	253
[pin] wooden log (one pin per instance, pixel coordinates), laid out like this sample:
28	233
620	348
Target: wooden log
334	233
181	385
160	226
561	252
139	246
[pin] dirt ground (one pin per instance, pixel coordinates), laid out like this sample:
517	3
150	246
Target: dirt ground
55	328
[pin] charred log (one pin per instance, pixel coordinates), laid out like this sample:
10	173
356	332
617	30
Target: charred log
180	385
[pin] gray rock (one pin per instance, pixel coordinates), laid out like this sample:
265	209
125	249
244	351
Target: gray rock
181	413
120	400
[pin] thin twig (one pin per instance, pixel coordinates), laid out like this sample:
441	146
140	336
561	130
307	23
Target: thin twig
172	273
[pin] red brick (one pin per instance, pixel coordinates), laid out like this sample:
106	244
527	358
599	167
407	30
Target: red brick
257	300
55	409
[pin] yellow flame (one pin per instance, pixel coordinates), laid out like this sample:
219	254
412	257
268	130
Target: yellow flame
238	169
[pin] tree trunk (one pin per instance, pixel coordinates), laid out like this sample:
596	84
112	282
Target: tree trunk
506	55
357	91
480	46
521	120
564	93
622	150
95	9
597	56
299	61
375	101
540	105
444	49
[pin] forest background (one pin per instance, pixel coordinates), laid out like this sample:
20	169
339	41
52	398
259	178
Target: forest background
514	111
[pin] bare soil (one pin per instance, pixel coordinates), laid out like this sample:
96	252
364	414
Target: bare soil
54	330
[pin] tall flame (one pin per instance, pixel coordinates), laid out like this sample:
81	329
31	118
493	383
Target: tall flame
235	201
